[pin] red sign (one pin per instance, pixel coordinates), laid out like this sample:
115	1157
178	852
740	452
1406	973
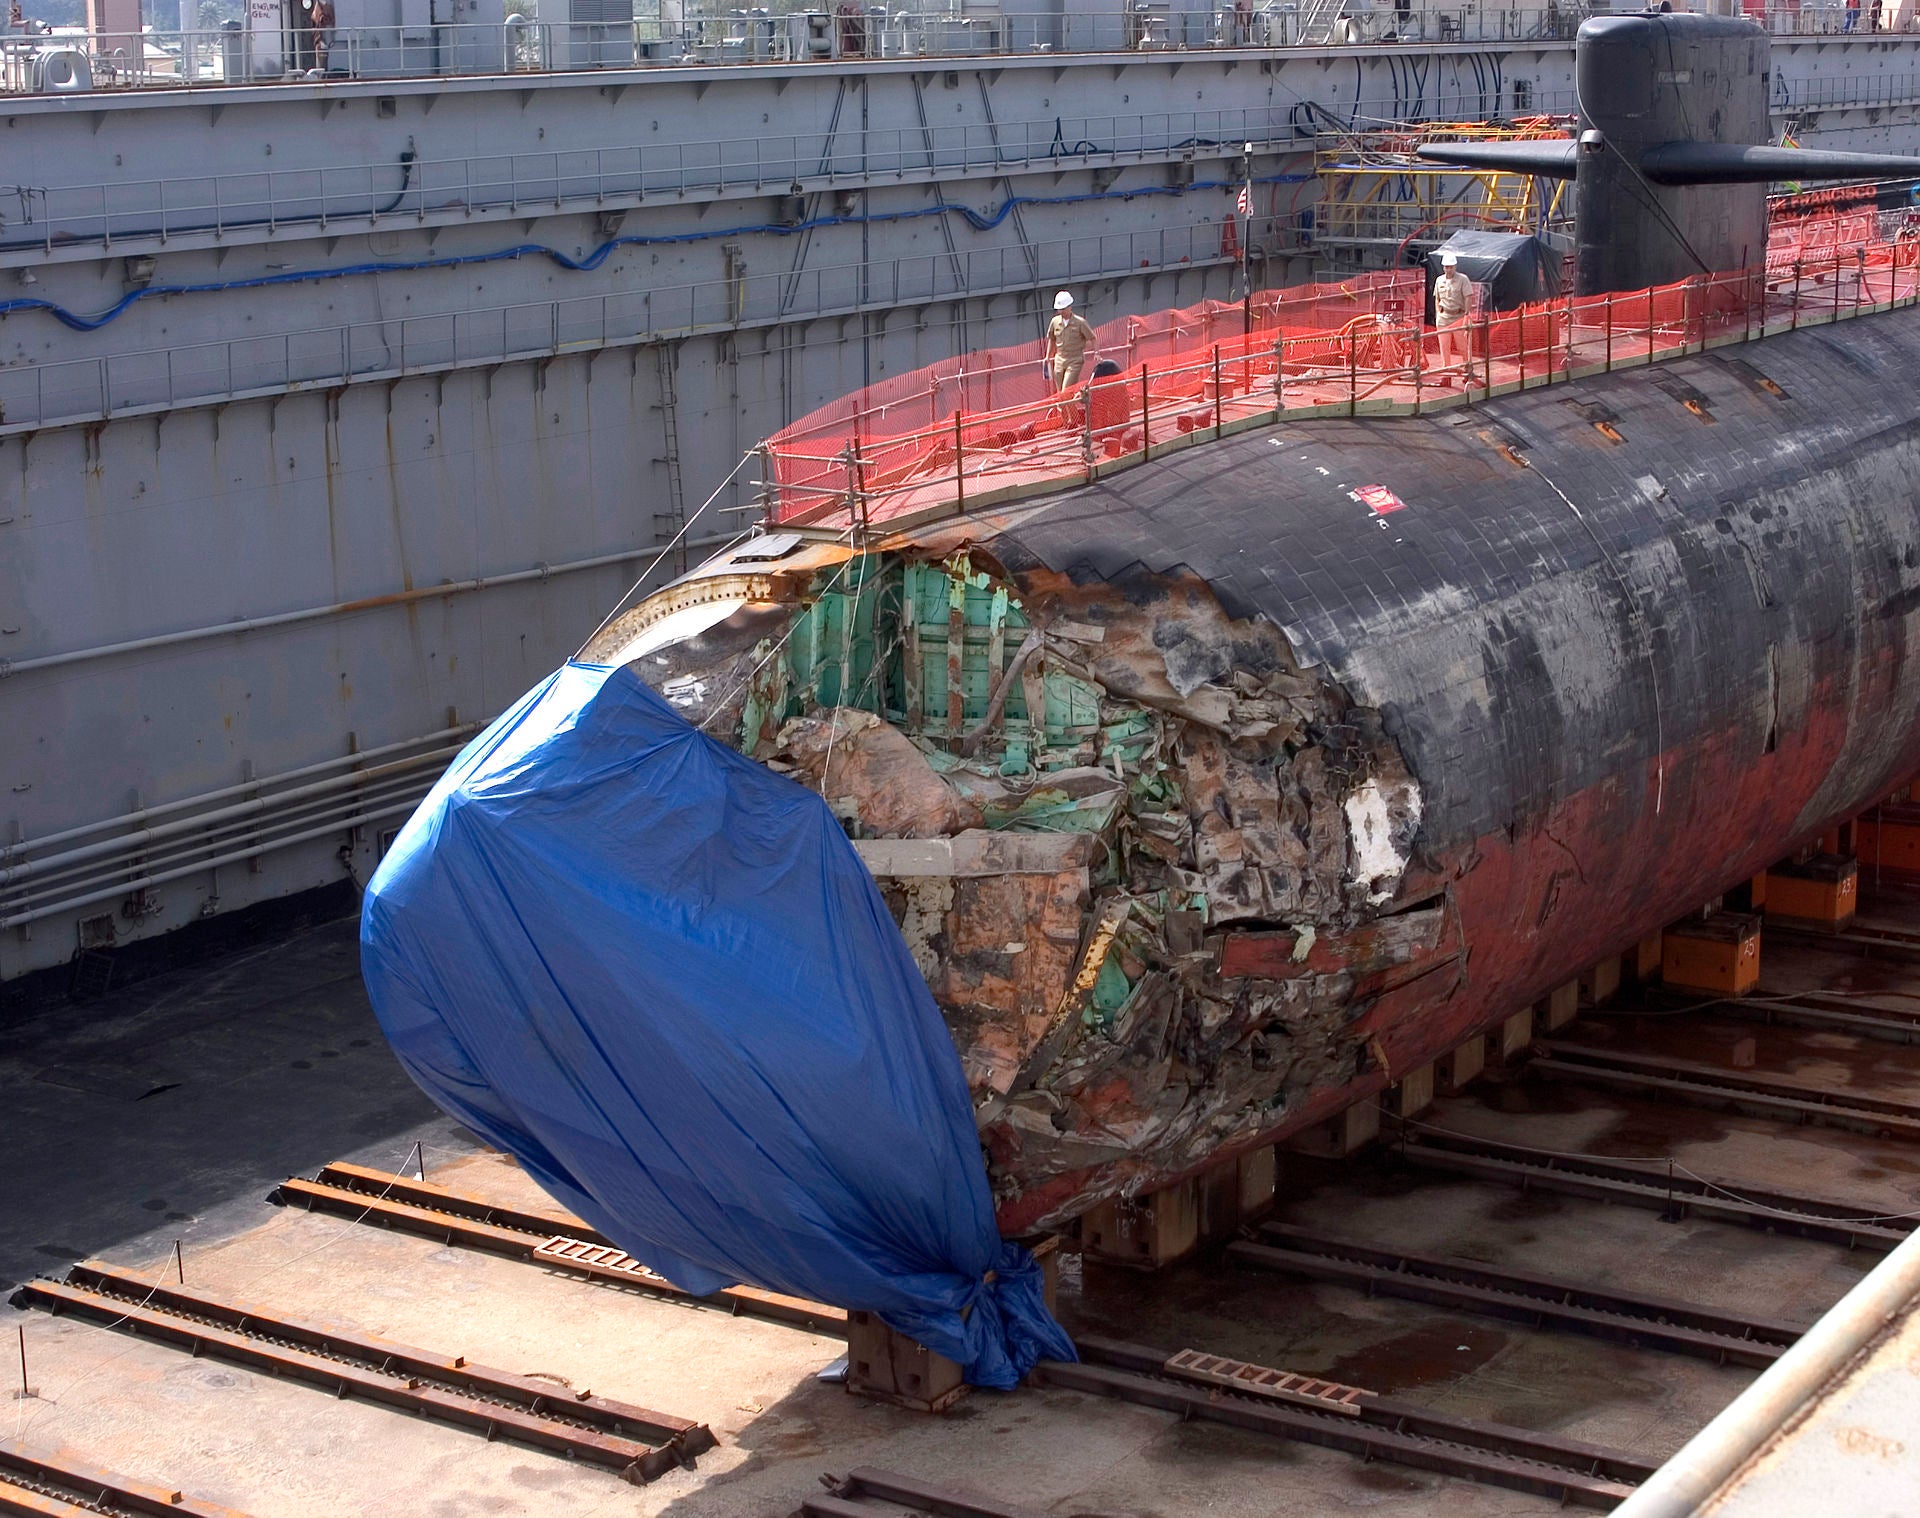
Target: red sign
1378	499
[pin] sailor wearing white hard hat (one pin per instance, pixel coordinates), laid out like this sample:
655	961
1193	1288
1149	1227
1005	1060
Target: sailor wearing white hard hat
1070	344
1452	295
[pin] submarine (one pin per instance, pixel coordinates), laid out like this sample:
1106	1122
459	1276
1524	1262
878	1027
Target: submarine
1213	795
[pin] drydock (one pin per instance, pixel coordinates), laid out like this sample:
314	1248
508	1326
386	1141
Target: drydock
334	412
1421	868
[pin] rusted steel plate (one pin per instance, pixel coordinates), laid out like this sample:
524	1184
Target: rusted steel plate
1517	1297
634	1441
1568	1479
848	1497
1646	1183
34	1481
472	1222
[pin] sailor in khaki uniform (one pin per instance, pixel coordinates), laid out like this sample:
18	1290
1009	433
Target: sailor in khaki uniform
1070	344
1452	302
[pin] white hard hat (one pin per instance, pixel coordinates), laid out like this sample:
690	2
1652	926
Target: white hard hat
1063	300
1448	260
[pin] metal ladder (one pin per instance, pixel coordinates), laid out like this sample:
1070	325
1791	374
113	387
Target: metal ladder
1318	21
668	524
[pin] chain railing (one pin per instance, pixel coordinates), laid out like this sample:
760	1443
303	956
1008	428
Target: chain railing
977	431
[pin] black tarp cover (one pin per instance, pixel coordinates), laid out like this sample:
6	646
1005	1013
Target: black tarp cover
1512	267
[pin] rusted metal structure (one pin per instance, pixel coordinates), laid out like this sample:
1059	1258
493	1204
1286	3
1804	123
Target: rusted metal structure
635	1443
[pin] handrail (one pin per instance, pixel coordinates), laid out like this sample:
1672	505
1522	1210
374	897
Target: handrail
895	451
158	59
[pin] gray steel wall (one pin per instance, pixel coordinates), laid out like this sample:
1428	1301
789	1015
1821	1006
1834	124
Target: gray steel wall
392	444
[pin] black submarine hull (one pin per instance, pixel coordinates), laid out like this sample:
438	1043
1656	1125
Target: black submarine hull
1636	637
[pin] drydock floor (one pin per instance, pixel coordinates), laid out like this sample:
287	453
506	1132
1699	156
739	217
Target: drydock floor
170	1110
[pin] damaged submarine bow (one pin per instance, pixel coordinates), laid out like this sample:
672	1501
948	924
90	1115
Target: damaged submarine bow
1210	801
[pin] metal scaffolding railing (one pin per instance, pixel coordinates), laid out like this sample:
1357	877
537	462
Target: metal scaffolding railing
156	59
76	62
974	432
1377	195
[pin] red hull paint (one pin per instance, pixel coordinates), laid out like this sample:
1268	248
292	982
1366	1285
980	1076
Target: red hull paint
1602	871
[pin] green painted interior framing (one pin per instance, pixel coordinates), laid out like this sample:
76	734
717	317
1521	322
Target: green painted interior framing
876	635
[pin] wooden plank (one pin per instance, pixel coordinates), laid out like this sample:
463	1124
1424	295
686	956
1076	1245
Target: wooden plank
978	851
1562	1005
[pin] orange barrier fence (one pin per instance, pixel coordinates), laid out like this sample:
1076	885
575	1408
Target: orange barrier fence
807	453
986	426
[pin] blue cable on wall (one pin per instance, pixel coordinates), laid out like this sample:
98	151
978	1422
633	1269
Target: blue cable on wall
593	260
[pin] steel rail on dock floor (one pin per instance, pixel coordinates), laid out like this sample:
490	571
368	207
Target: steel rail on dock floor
1378	1428
1867	939
1703	1085
56	1484
851	1496
1539	1301
564	1243
635	1442
1809	1009
1648	1183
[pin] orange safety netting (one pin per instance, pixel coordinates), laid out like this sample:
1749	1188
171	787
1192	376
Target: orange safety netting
987	423
889	421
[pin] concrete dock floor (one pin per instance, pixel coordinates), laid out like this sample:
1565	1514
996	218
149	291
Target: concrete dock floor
169	1111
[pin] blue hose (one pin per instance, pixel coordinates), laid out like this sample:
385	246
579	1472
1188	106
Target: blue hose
605	250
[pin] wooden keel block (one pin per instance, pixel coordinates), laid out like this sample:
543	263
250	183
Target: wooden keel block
1601	984
1146	1232
1259	1173
1643	959
1341	1136
1047	1252
1413	1093
1719	955
1561	1007
1821	894
1219	1191
1516	1033
1462	1065
891	1367
1888	842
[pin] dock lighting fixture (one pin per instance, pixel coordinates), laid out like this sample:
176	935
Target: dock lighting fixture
140	272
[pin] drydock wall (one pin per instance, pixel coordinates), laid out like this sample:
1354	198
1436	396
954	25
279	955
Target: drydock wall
314	457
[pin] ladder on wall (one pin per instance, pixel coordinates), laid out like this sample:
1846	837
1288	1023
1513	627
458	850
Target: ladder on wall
668	524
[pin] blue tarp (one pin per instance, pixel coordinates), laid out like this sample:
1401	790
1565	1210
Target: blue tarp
658	974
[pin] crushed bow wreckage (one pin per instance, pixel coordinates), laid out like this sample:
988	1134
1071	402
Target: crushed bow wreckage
1066	791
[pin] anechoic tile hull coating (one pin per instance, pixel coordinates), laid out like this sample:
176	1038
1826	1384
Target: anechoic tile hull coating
1414	770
